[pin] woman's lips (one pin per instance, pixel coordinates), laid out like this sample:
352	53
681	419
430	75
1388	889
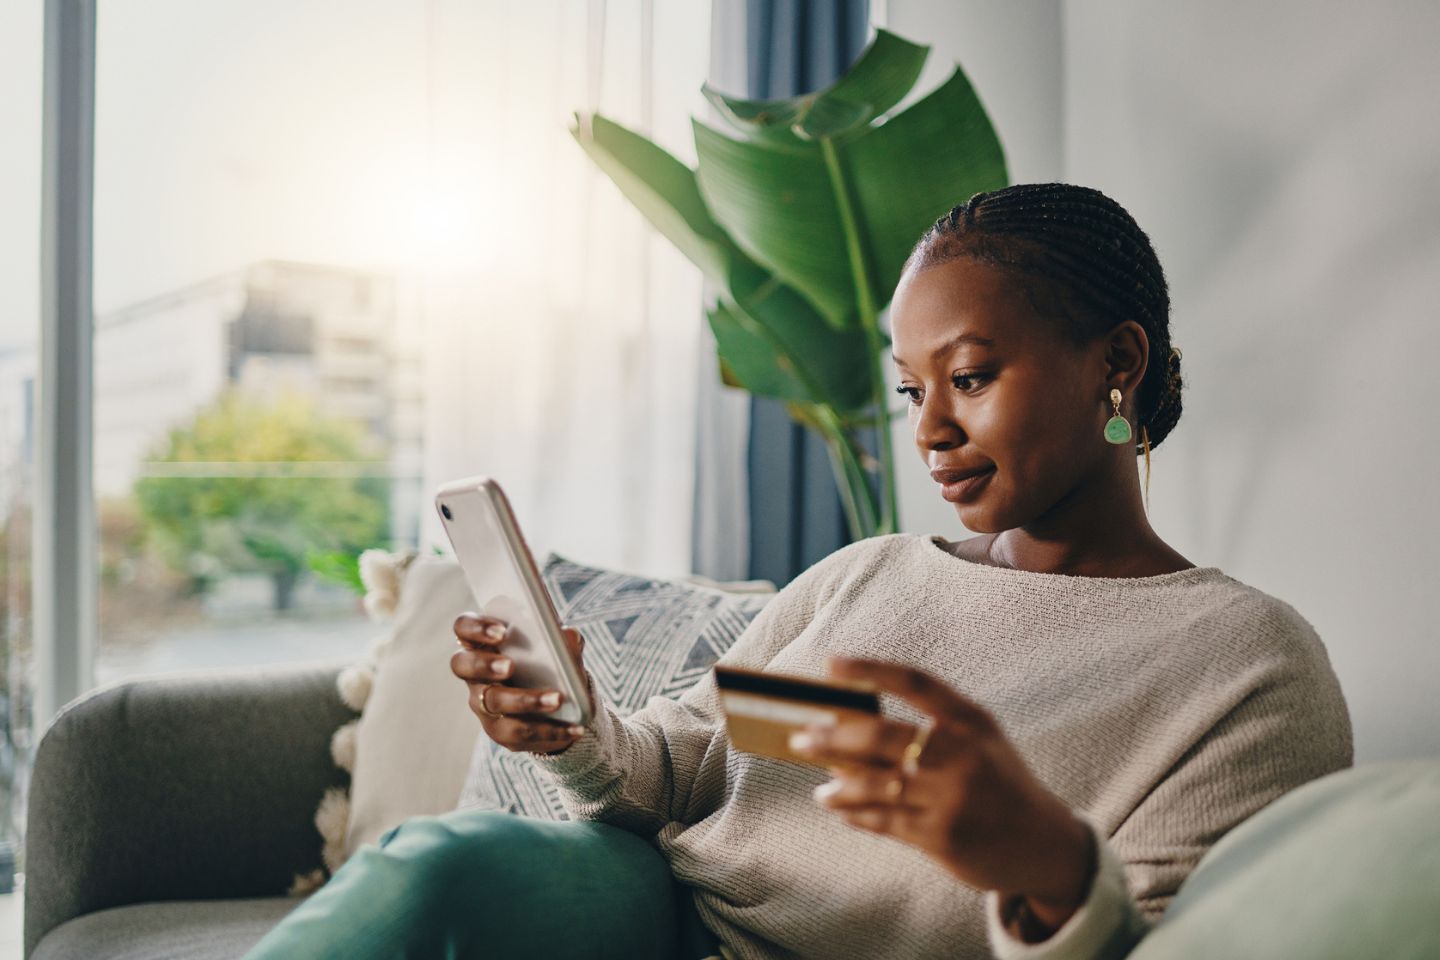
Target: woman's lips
965	489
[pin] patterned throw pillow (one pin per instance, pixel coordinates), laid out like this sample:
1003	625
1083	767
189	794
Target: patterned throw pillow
643	638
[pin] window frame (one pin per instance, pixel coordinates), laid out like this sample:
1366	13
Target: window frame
64	568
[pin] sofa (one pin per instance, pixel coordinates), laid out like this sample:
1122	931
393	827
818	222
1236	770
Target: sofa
170	815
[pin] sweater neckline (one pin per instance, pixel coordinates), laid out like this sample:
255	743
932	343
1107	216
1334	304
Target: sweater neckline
934	543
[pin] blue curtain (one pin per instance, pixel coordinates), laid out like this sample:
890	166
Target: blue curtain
796	515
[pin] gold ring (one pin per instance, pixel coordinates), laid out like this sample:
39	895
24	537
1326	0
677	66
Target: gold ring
486	710
910	759
895	788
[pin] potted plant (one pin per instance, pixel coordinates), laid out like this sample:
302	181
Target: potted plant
803	215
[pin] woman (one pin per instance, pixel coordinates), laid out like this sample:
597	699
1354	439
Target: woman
1092	710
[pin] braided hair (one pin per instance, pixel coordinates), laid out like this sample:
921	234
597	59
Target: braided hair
1076	248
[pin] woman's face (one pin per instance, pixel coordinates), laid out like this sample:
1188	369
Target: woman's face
1026	406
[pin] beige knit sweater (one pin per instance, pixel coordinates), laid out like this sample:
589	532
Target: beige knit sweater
1165	710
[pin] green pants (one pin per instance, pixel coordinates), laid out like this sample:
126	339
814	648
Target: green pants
491	886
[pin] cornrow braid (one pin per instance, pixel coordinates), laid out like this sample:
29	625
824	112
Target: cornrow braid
1082	249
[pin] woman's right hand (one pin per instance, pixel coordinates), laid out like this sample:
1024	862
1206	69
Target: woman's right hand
484	667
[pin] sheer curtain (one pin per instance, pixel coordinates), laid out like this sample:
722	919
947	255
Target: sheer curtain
562	335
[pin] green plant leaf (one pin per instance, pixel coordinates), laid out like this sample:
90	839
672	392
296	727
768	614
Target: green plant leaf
727	373
337	566
773	343
912	169
780	204
661	187
667	192
831	118
835	361
880	77
885	71
769	120
778	207
749	357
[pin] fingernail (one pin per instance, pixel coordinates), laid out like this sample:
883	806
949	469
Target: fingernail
501	665
495	632
575	730
550	700
801	742
827	789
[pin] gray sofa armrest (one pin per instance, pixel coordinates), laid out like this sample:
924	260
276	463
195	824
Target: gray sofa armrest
182	787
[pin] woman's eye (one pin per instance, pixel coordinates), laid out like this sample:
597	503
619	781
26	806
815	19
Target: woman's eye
962	382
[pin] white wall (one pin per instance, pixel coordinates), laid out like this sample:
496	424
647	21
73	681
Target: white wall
1284	158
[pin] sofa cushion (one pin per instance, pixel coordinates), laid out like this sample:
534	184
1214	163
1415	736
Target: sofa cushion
416	733
417	738
644	638
1346	866
183	930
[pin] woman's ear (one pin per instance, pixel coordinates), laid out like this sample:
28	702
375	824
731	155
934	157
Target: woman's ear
1127	351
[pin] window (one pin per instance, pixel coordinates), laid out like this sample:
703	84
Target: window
253	429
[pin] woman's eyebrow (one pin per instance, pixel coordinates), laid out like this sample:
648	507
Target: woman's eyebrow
949	345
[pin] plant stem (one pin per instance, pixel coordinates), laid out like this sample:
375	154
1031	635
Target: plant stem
853	518
870	321
854	487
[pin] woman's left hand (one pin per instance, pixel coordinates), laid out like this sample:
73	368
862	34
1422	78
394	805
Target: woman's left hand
972	803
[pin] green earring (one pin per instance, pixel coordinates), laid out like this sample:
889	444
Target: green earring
1117	428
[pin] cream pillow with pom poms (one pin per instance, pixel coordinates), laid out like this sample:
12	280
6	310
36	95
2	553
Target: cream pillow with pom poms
411	748
383	574
417	734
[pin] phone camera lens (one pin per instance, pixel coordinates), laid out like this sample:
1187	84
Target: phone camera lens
446	511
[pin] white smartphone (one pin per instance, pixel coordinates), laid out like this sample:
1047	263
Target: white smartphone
506	584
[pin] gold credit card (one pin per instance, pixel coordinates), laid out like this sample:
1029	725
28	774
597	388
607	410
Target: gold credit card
762	709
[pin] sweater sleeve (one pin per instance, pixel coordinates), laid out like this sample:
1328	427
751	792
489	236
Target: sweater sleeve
1277	725
1106	927
666	761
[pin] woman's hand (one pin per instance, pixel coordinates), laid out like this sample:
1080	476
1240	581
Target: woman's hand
972	803
484	667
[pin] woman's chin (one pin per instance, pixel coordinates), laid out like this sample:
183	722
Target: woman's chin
975	519
984	514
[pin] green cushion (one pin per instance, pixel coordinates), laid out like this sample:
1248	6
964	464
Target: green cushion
1347	866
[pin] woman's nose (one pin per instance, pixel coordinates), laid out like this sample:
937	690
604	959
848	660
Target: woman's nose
936	428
